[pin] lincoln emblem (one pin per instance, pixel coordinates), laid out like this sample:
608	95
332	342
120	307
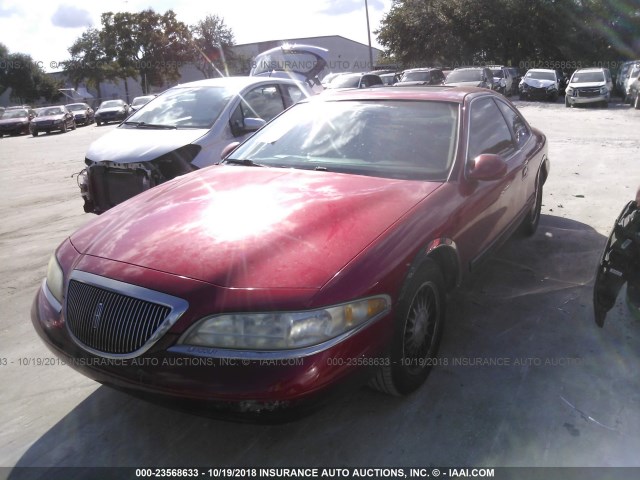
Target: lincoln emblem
97	314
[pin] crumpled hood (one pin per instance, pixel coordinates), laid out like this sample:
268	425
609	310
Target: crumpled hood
536	83
132	145
251	227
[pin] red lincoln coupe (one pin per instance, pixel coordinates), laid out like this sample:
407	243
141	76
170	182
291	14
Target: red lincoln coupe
317	255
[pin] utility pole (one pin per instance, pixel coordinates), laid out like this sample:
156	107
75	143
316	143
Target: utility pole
366	8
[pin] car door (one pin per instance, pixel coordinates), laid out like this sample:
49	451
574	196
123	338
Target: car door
490	206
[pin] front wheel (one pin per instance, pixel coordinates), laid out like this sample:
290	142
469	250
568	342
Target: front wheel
636	104
34	133
73	125
420	322
531	221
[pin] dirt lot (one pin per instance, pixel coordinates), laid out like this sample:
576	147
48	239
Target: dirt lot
566	393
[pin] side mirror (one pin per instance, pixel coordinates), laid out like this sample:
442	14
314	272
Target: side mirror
228	149
487	167
252	124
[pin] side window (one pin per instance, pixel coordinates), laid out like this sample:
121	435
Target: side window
488	132
292	94
262	102
516	124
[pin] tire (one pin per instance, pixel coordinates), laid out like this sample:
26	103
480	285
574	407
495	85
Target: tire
522	97
531	221
98	123
419	325
34	133
566	102
64	127
636	104
73	125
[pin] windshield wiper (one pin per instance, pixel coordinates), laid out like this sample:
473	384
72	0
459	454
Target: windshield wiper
151	125
245	162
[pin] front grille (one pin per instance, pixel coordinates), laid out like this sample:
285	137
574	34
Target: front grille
111	322
588	92
111	186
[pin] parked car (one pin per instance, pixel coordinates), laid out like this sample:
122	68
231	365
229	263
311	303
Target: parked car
589	86
470	77
50	119
623	73
139	102
633	73
503	78
183	129
303	63
316	256
619	263
82	112
540	84
15	121
111	111
355	80
421	76
329	77
389	78
634	93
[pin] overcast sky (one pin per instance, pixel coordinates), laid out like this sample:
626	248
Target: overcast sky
46	29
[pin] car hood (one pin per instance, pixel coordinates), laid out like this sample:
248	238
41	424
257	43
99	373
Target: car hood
586	85
13	120
109	110
48	118
251	227
535	83
475	83
133	145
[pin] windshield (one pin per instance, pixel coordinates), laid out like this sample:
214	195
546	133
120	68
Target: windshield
77	106
586	77
464	76
112	104
360	137
345	81
416	77
184	107
15	114
52	111
140	101
541	75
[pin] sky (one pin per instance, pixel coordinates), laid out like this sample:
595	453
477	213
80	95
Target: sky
46	29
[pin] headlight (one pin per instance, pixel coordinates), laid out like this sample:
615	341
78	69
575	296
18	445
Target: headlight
551	87
603	90
283	330
55	278
569	91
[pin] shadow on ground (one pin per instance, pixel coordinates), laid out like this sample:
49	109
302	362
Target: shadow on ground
525	378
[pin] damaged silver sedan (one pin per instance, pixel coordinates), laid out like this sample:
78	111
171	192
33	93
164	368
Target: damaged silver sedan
183	129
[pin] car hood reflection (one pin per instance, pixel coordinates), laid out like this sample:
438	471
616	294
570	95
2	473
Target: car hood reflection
250	227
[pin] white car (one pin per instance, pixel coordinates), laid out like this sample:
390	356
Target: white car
632	74
589	86
183	129
540	84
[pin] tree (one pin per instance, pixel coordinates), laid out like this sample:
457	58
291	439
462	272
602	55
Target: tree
4	56
510	31
213	41
89	62
27	80
146	45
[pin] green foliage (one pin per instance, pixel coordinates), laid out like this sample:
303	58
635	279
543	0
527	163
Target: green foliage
450	32
213	41
27	80
146	45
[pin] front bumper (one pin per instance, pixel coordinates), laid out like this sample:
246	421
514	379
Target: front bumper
217	379
538	93
580	100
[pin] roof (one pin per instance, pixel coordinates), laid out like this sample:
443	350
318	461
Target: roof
434	93
236	83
